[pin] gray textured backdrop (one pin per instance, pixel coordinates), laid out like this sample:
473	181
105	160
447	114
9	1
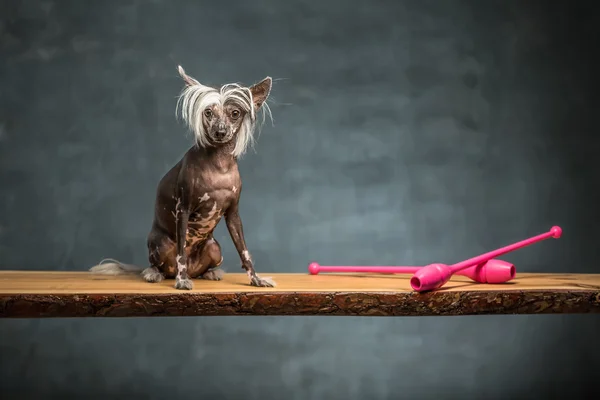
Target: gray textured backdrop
405	132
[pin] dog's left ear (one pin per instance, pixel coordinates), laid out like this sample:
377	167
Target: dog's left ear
186	78
260	91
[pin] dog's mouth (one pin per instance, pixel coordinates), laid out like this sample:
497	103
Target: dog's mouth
222	140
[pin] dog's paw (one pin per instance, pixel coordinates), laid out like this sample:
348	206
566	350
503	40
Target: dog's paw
262	282
213	275
184	284
152	275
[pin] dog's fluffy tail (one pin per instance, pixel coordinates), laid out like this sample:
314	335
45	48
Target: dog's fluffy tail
108	266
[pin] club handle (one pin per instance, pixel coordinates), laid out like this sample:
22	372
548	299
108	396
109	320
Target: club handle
555	232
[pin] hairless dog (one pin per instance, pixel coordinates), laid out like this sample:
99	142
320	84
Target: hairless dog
202	187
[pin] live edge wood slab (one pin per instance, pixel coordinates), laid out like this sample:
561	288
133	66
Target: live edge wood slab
29	294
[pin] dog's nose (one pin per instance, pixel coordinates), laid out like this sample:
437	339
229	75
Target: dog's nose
221	130
220	133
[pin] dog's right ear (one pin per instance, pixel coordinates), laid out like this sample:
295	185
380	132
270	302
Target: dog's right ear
186	78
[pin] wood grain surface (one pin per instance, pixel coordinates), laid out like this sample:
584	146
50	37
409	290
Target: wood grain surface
45	294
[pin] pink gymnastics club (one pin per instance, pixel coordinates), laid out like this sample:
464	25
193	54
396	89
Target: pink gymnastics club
434	276
491	271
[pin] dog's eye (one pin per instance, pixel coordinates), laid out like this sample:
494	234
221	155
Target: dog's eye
235	114
208	113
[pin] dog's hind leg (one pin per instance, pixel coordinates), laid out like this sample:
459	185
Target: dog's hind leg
161	255
205	262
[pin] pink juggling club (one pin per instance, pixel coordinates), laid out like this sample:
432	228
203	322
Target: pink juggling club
491	271
483	268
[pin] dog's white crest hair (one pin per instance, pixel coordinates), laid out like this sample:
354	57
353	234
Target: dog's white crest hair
195	97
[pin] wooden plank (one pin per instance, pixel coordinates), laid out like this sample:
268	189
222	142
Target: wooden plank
39	294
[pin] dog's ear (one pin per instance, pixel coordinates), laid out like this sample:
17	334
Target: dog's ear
186	78
260	91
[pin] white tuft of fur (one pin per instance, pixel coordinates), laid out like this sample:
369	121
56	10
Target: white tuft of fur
194	99
192	102
109	266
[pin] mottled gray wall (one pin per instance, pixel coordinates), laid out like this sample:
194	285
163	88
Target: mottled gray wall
405	132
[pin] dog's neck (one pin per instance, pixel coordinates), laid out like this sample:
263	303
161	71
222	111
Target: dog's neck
220	157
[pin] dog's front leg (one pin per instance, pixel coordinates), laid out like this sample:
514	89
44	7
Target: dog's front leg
234	225
182	216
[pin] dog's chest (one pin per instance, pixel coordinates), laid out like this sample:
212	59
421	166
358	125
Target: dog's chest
208	210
